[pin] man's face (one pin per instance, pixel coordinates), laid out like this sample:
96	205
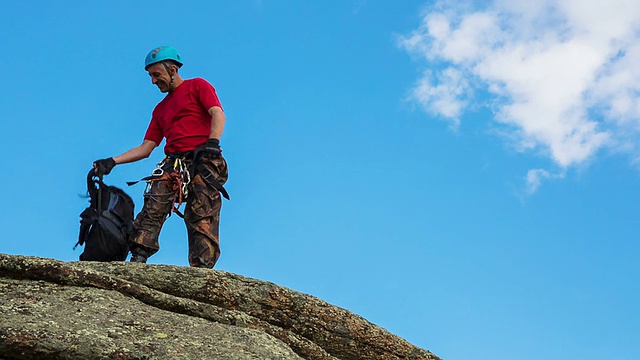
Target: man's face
159	77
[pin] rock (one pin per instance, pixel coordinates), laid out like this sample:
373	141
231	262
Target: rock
92	310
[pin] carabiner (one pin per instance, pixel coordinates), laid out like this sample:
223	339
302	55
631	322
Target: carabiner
157	172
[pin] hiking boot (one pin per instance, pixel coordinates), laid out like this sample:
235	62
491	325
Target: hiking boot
200	263
138	255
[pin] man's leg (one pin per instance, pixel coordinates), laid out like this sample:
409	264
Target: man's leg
202	216
158	201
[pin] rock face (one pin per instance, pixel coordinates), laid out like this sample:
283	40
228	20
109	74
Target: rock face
87	310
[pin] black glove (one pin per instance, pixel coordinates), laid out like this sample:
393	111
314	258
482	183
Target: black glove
103	166
210	149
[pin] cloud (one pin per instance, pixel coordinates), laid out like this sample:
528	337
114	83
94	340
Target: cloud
535	176
445	94
561	76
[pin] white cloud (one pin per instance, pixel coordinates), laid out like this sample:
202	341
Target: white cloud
563	75
444	95
535	176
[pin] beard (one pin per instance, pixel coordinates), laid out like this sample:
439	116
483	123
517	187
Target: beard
163	86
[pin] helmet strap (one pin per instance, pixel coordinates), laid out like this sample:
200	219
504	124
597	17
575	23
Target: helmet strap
171	84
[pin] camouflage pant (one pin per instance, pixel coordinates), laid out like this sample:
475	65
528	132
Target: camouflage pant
201	215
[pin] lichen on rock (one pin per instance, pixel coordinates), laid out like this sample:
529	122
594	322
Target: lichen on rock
90	310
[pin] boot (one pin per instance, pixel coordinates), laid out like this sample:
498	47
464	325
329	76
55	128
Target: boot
138	255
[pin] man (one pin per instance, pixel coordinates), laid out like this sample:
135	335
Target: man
191	119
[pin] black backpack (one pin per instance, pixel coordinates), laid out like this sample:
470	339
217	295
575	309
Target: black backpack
106	224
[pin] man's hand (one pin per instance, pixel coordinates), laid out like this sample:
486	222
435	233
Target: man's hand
103	166
209	149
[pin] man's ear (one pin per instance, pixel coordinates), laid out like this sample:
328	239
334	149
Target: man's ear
172	70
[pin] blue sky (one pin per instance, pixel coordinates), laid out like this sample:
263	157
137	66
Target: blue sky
465	176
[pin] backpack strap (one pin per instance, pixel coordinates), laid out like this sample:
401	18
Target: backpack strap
88	218
90	215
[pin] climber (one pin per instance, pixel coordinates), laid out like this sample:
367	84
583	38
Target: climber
191	119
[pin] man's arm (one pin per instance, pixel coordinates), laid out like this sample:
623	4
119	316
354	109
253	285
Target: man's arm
212	146
139	152
217	122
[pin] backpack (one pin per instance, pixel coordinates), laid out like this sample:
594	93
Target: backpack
106	224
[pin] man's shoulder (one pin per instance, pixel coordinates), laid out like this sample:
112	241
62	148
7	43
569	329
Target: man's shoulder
197	81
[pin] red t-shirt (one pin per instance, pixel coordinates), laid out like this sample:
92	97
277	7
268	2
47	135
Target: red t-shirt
182	117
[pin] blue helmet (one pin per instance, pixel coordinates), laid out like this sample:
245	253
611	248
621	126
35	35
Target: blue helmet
162	53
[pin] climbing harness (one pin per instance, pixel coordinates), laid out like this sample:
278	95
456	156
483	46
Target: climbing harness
173	169
179	178
210	179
